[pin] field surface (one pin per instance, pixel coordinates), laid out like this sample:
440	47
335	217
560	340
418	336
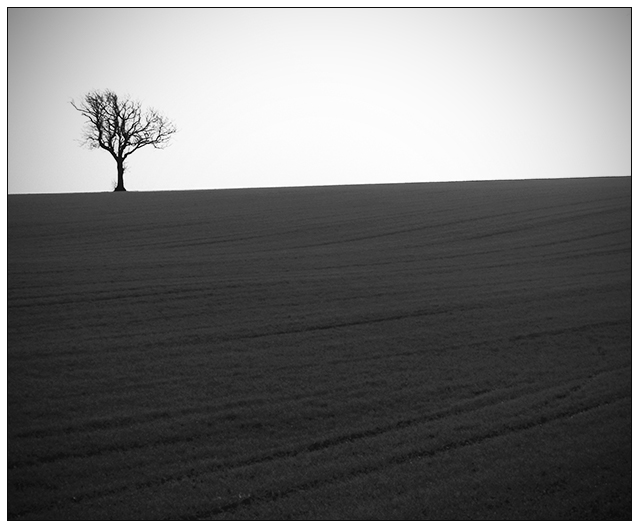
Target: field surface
418	351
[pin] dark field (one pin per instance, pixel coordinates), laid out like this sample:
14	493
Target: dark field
428	351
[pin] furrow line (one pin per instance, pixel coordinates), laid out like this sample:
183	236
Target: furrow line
321	445
396	460
97	451
473	405
96	425
468	407
505	430
108	423
327	326
271	456
421	227
568	329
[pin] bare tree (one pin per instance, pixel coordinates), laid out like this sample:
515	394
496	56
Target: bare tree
121	127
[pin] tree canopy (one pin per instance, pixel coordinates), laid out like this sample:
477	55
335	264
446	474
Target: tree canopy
121	126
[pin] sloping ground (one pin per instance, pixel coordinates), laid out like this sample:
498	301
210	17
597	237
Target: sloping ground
427	351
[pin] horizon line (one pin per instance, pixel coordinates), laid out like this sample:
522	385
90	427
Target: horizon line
322	185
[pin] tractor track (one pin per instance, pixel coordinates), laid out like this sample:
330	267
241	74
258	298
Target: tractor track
270	495
477	404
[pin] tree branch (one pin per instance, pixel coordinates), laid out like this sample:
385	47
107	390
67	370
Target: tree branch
121	126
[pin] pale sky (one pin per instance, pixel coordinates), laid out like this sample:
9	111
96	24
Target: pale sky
297	97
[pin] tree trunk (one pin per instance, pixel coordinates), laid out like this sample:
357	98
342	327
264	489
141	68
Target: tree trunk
120	185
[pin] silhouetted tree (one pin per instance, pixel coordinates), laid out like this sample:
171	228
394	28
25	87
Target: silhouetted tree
121	127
